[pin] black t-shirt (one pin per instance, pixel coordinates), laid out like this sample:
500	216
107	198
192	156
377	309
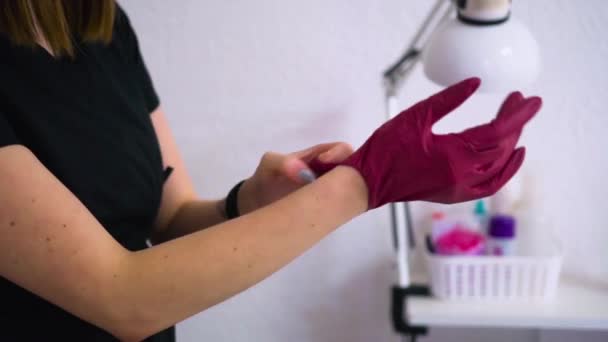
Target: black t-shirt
87	120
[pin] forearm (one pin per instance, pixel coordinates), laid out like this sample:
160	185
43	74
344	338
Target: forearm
174	280
192	217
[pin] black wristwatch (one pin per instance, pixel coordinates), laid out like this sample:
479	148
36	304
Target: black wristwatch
232	207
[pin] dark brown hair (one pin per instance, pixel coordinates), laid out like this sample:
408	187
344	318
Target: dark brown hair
59	23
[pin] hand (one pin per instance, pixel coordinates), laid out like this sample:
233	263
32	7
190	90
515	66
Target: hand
278	174
404	160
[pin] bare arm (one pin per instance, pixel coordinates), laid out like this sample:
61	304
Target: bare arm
135	294
182	213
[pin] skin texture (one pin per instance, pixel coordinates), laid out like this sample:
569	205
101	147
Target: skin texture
277	175
200	258
43	228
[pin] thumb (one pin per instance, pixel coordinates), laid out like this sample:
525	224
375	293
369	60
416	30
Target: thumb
288	166
296	170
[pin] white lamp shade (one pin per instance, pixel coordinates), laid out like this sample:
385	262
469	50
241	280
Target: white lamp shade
505	56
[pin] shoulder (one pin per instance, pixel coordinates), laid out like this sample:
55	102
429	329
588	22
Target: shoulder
122	23
124	37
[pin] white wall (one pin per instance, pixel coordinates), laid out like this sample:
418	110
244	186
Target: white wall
238	78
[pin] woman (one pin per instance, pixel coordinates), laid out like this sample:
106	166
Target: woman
89	172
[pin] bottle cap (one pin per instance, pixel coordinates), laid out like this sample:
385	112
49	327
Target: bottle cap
502	226
480	208
438	215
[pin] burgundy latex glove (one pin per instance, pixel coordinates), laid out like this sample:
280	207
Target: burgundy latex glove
404	160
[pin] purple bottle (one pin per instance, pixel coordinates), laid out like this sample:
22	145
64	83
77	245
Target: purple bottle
501	236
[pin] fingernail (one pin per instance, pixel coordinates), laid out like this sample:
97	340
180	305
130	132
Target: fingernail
307	175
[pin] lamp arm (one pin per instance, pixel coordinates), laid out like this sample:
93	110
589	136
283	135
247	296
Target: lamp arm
394	76
398	71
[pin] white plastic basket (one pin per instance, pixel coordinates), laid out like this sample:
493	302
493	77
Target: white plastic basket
495	278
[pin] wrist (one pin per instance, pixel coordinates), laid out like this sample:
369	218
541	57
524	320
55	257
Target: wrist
221	208
230	207
351	186
246	197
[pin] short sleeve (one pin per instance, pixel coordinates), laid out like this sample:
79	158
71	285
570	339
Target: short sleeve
128	39
7	134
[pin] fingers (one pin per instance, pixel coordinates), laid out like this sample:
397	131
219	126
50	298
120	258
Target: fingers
321	159
328	152
514	120
450	98
509	103
485	159
481	138
275	164
507	127
338	153
320	168
296	170
310	153
508	106
491	186
467	148
480	164
295	166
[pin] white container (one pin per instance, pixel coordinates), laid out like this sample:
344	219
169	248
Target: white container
495	278
501	246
